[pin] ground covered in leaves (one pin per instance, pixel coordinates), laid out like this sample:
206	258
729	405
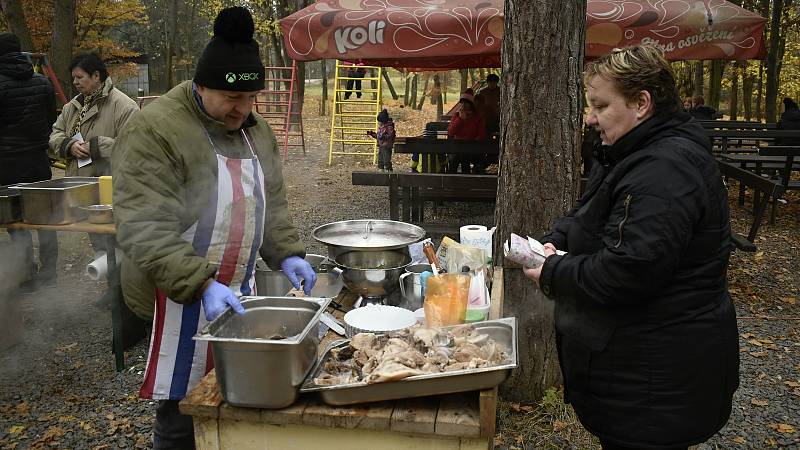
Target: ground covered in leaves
58	387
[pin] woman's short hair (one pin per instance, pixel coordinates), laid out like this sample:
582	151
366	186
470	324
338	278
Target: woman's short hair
90	62
639	68
788	103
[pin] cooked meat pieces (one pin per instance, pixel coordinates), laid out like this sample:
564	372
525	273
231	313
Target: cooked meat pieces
468	352
391	370
378	358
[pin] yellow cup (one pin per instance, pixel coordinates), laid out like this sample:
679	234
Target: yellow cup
106	190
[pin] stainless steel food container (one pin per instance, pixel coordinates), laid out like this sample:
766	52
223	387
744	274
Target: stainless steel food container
55	202
10	206
503	331
99	213
254	367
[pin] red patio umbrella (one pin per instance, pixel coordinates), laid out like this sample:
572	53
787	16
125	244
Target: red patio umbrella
445	34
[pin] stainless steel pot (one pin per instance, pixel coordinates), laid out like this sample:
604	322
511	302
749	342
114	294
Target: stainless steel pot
372	274
367	235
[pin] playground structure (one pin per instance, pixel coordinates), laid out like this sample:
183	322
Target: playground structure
356	103
279	104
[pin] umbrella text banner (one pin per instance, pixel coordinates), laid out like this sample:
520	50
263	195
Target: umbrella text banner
449	34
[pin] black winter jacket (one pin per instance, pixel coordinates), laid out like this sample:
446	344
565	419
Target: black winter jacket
27	112
646	331
790	120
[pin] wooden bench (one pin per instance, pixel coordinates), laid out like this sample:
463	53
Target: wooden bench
408	193
764	191
737	125
748	141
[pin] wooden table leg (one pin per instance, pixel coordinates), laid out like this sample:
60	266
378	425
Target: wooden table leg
394	198
116	302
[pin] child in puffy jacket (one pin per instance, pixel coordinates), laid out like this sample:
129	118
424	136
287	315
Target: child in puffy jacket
385	137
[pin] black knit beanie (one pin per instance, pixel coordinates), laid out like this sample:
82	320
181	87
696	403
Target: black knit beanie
231	60
9	42
383	116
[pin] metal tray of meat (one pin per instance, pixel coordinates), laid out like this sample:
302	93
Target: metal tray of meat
503	331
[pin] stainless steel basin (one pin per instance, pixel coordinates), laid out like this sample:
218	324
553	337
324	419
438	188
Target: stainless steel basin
373	273
263	356
56	202
10	205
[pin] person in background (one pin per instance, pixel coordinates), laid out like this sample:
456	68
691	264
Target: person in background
488	102
198	196
790	120
385	137
687	104
700	111
85	132
27	111
466	124
645	327
354	75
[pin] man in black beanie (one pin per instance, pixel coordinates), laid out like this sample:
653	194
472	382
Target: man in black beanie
198	196
27	111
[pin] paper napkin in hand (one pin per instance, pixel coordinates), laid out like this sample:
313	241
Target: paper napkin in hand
527	252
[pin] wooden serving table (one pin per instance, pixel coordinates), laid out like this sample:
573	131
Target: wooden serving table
126	327
464	421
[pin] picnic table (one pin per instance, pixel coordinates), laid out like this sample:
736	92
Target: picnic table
463	421
127	329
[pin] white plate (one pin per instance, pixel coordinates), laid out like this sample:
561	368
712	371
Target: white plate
378	319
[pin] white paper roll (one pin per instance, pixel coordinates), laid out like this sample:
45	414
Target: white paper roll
98	268
477	236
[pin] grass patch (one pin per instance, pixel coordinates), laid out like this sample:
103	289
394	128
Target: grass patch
550	424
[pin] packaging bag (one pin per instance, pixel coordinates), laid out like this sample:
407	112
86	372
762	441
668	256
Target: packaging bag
446	297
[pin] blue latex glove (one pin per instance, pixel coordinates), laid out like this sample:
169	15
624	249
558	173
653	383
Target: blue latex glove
294	267
217	298
423	280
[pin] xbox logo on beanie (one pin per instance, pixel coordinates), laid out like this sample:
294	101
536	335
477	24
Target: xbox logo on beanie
231	60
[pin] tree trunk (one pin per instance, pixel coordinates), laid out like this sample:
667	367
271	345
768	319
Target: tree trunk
698	79
539	169
324	101
747	92
717	69
760	91
414	82
15	17
771	96
437	87
170	41
63	38
424	93
408	89
733	109
464	84
385	75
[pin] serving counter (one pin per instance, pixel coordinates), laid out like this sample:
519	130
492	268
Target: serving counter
455	421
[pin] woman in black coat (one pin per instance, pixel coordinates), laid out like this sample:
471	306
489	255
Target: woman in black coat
645	327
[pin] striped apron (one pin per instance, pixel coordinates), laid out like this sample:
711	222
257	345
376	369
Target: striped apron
228	234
